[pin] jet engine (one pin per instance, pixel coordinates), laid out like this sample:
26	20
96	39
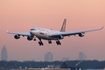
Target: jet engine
81	35
17	36
29	38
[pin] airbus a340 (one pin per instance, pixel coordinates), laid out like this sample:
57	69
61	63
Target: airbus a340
49	34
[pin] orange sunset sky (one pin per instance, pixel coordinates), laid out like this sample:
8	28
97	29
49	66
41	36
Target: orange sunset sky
21	15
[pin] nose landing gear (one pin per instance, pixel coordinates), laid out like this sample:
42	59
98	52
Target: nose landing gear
34	39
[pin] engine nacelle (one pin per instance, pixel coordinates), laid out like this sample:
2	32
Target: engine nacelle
17	36
81	35
29	38
61	37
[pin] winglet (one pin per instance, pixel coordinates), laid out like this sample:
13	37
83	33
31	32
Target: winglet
102	27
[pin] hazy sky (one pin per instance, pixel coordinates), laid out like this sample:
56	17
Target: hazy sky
21	15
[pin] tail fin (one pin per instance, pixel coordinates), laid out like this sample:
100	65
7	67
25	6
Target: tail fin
63	26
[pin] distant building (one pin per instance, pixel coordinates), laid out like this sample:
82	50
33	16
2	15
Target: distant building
65	59
49	57
4	56
82	56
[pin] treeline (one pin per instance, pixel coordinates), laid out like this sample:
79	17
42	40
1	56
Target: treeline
89	64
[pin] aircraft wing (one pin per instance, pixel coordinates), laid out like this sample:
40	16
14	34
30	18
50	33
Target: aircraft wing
73	32
19	33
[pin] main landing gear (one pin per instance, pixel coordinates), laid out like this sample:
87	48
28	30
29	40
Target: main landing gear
49	41
58	42
40	42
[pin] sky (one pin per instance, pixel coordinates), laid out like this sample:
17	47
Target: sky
22	15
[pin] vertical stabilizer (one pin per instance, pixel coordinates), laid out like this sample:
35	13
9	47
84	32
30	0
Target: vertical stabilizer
63	26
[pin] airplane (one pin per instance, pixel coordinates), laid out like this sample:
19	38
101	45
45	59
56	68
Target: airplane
50	34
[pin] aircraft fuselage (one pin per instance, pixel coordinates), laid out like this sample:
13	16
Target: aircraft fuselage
43	33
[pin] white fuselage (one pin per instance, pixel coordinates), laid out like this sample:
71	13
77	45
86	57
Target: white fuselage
43	33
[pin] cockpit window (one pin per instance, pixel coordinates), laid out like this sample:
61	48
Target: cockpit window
32	29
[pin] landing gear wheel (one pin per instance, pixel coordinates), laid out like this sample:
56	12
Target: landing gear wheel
50	42
58	42
34	39
40	43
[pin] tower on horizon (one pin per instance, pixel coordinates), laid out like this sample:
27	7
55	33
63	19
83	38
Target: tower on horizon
4	55
82	56
49	57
